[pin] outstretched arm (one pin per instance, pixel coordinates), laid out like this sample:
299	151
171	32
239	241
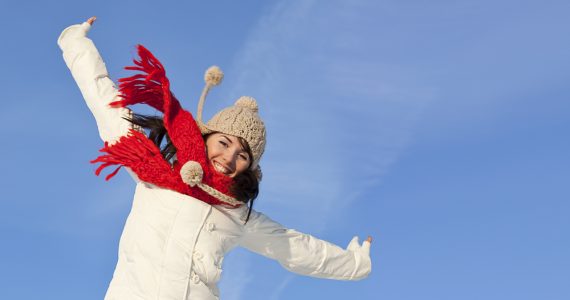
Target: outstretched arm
90	74
304	254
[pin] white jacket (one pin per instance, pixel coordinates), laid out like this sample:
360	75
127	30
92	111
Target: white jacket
173	245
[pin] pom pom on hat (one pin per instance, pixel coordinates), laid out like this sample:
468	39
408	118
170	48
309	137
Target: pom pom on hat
213	76
247	101
191	173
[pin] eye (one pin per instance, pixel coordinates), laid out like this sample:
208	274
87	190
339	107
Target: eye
224	144
244	156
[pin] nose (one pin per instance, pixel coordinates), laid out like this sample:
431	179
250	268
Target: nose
230	158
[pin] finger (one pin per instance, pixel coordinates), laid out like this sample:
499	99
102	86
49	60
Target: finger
354	244
366	246
91	20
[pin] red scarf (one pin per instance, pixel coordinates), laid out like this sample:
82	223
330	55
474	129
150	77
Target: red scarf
140	154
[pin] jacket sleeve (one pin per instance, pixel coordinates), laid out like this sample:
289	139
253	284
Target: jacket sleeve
304	254
90	74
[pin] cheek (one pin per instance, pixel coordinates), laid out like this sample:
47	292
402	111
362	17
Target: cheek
211	155
208	152
242	166
211	151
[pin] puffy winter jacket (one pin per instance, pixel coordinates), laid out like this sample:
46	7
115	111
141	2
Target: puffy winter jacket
173	245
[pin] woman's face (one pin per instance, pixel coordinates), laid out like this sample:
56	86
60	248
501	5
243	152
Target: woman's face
226	154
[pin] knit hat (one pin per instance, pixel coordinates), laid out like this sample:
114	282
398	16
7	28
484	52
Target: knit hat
241	119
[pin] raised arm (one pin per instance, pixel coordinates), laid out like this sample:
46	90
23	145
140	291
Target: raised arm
304	254
90	74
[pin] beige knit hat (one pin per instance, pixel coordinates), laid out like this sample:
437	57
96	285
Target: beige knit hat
241	119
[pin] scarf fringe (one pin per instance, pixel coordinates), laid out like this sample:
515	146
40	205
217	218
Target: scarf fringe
146	88
140	154
131	151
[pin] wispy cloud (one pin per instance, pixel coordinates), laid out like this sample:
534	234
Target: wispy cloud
282	286
327	99
235	278
338	116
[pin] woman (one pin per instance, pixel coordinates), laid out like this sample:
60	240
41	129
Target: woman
176	235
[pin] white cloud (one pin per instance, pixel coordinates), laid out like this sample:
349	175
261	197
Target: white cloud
282	286
337	115
235	277
327	100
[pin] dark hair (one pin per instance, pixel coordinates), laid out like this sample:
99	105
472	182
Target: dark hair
246	184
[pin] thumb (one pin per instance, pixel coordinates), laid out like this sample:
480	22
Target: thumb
354	244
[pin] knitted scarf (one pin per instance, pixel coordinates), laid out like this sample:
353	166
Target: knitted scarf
151	87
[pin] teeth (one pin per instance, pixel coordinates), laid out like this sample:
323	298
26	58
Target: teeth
221	168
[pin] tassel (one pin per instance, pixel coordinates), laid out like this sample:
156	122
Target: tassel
146	88
113	173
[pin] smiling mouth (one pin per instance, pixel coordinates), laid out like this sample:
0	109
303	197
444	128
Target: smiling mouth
221	169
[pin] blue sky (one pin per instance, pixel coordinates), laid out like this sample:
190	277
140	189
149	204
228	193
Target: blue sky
438	127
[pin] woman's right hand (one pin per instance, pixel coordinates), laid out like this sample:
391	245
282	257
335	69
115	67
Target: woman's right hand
91	20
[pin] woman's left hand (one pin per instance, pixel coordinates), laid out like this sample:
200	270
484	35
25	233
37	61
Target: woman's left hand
355	246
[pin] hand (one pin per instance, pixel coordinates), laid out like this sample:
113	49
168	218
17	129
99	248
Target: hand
354	245
362	251
91	20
